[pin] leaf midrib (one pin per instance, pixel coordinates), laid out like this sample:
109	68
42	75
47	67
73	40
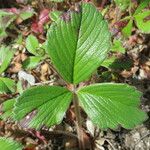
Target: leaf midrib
79	30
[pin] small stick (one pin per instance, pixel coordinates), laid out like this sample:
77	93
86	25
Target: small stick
148	134
43	83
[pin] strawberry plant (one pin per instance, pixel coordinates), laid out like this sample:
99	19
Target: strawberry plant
140	17
8	16
77	43
35	48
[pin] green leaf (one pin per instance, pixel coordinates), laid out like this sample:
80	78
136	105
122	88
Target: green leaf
32	44
142	23
49	103
19	87
31	62
54	15
3	34
9	144
4	13
127	30
19	39
109	105
6	85
141	6
26	15
43	46
117	46
123	4
5	58
6	18
78	42
115	63
7	108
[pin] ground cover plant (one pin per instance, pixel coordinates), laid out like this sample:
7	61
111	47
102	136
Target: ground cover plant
77	42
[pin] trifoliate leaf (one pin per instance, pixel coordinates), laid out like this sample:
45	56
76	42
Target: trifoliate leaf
78	42
9	144
47	104
7	109
109	105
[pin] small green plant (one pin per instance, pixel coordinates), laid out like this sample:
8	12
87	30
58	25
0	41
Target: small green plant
123	4
7	18
140	17
77	43
35	48
6	84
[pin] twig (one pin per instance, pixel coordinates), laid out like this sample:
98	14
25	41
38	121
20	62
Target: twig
111	144
42	83
148	134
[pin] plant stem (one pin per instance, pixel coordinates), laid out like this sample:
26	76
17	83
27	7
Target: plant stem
58	132
78	122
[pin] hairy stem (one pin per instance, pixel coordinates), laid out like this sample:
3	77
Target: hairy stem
78	122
